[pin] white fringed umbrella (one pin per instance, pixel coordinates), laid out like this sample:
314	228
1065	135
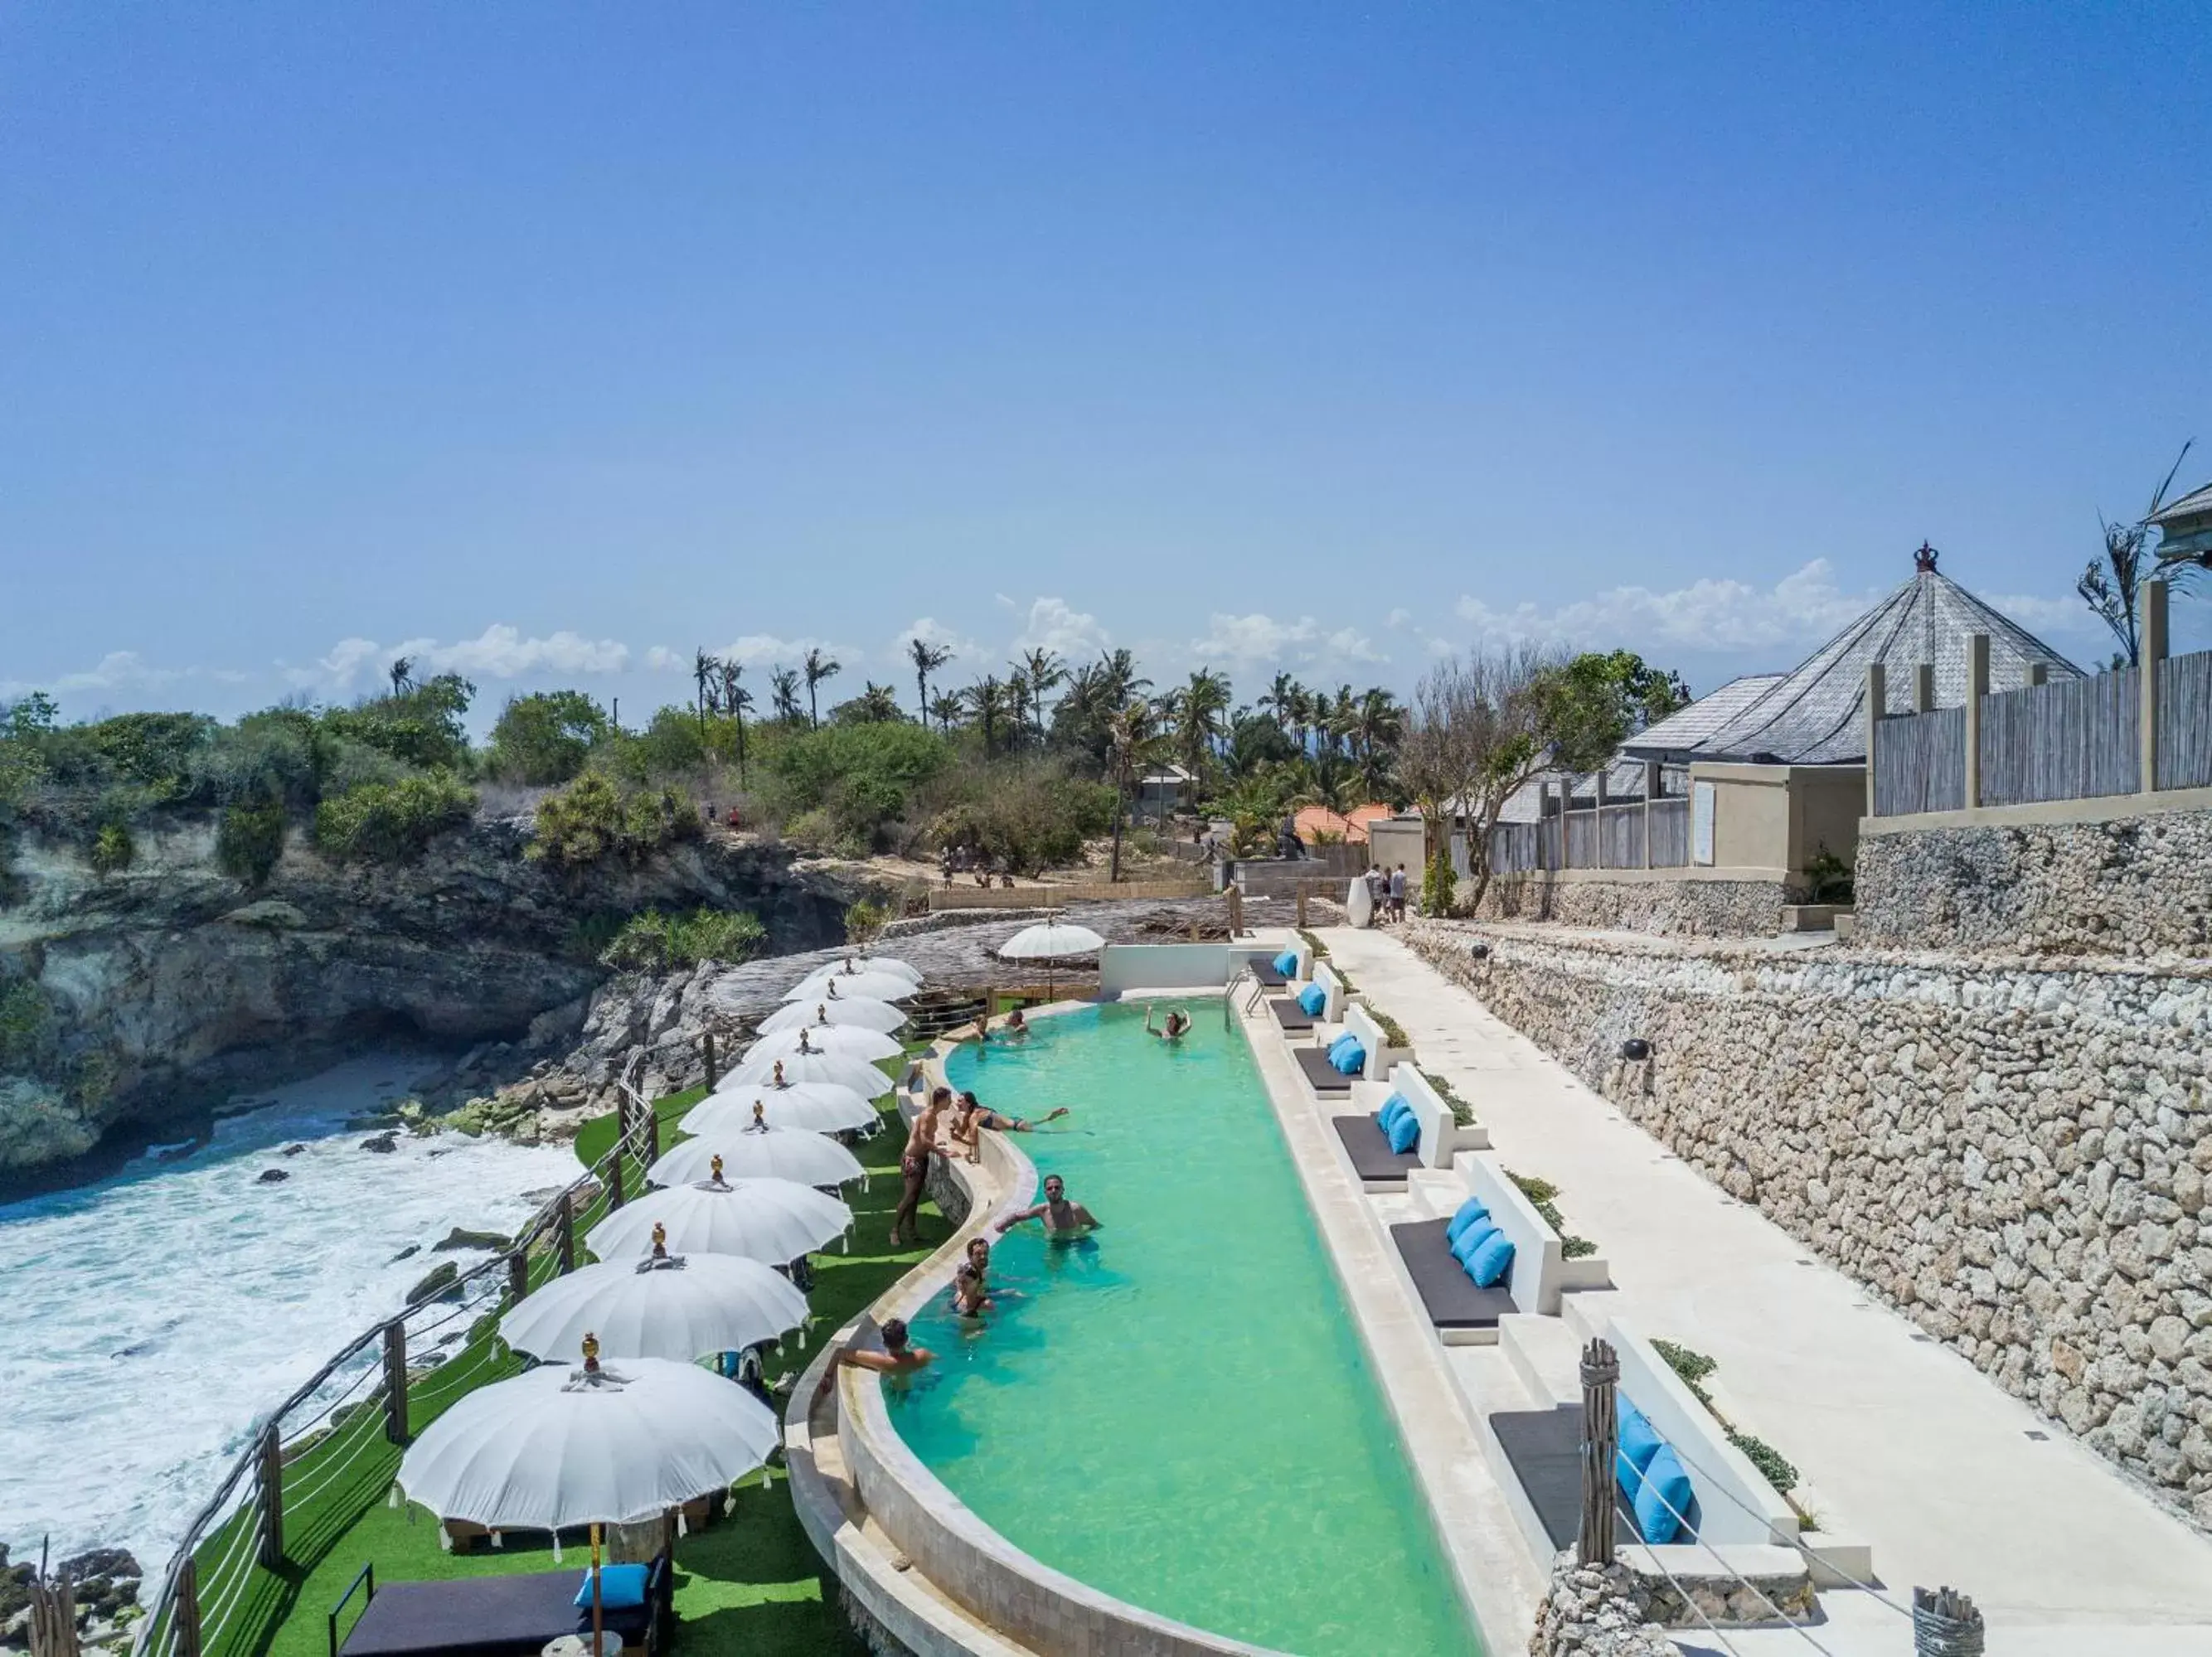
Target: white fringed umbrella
771	1220
847	1041
556	1446
864	987
856	1010
773	1153
857	965
674	1307
816	1106
770	1071
1049	941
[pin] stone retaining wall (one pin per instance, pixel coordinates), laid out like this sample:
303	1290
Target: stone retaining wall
2012	1152
1667	907
2128	886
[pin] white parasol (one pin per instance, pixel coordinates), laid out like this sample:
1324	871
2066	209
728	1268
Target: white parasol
868	1015
856	965
864	987
558	1447
1049	941
816	1106
848	1040
670	1306
771	1220
751	1153
770	1071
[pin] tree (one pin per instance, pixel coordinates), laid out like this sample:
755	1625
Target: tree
736	699
1378	727
1042	671
1476	738
988	701
1594	702
927	658
1131	737
949	708
1193	710
544	737
816	668
705	676
875	705
1281	700
783	693
403	679
2111	585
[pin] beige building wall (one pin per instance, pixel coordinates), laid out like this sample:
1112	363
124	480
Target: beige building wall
1776	816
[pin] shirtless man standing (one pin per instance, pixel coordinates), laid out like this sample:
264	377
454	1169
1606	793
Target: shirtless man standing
914	1166
1062	1218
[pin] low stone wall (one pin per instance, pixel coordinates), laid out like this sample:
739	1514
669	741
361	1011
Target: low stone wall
2135	885
1677	907
2012	1152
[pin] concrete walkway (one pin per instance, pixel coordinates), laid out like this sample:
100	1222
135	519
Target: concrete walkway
1907	1445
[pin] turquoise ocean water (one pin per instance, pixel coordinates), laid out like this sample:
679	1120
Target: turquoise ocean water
1176	1411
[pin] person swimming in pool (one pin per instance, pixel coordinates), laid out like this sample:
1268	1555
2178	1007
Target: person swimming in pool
971	1118
900	1356
972	1295
1016	1029
1062	1218
1178	1025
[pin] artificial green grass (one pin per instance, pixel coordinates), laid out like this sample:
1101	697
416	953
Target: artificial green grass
749	1586
597	1137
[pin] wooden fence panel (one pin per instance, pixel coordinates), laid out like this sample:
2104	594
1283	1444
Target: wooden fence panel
1620	837
2072	740
1581	830
1670	833
1920	763
2185	721
1513	849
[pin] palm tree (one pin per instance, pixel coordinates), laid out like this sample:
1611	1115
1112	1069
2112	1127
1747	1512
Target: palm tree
783	692
876	705
1193	709
816	668
1131	735
403	675
927	658
736	699
706	673
949	708
1042	670
2112	585
1018	703
988	701
1378	725
1281	701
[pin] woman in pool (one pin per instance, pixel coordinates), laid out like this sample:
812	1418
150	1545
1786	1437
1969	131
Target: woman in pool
970	1120
1178	1025
971	1283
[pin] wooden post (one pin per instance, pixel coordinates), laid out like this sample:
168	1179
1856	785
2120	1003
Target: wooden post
707	1042
615	1181
651	1135
1599	816
1651	775
1877	705
1923	687
1945	1625
2150	668
395	1380
564	1227
53	1614
1600	1372
517	1276
1978	686
185	1608
1301	903
268	1475
1236	912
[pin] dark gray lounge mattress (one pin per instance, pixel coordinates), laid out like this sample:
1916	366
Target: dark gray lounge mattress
1266	973
1544	1447
1324	1078
1370	1148
481	1617
1290	1016
1452	1300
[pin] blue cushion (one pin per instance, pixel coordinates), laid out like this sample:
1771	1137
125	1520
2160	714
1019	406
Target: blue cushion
1664	1494
1489	1264
1405	1132
1638	1443
1348	1056
1463	1247
1464	1217
1337	1045
622	1588
1393	1108
1312	999
1287	962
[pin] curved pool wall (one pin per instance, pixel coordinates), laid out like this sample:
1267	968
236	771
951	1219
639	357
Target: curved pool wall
1179	1416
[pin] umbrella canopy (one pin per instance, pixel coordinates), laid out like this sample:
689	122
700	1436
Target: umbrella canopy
815	1107
558	1447
855	1011
853	966
771	1220
850	1040
750	1153
863	1077
867	987
672	1307
1051	940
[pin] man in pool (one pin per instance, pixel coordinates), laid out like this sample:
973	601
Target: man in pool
1062	1218
970	1120
914	1166
1178	1025
900	1356
971	1283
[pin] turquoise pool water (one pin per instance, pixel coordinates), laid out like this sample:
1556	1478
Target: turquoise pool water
1177	1410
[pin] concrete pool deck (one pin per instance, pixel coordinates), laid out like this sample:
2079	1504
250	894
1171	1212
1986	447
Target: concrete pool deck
1920	1455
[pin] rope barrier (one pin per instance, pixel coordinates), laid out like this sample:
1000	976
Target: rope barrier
1782	1616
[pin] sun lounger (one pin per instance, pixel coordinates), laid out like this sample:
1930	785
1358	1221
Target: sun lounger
492	1617
1294	1019
1265	973
1544	1449
1449	1295
1369	1147
1322	1077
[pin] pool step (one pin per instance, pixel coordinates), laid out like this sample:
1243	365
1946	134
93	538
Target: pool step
1546	1355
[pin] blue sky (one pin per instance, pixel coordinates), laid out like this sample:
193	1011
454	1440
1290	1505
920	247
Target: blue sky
550	342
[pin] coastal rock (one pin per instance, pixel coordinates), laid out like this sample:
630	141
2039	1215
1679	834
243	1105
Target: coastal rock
439	1278
272	1176
457	1238
383	1144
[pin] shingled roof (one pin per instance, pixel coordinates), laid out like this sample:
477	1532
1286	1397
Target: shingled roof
1815	714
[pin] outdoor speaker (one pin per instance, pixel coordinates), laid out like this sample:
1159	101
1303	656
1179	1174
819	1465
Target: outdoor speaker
1635	1048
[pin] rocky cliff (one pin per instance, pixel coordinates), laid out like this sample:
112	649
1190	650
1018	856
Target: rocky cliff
128	1002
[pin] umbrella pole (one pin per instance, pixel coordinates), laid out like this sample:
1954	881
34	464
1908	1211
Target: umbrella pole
599	1609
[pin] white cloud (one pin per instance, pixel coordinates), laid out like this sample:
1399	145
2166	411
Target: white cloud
965	650
1054	624
766	650
2048	615
1260	640
1804	607
661	659
500	652
1398	618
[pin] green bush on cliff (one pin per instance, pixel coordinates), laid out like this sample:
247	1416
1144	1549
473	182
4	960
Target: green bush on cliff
545	737
249	838
113	849
1027	820
420	726
26	1026
655	943
591	818
392	822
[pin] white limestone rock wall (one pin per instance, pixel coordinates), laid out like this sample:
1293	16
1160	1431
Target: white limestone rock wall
2013	1153
1667	908
2134	886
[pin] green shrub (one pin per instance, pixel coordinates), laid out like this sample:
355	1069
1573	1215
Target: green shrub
249	838
1463	1113
1828	878
26	1026
1693	1367
420	727
1320	949
864	920
1542	1196
591	818
1028	818
863	777
113	849
656	943
1393	1031
1535	1189
544	737
812	829
1773	1466
278	753
392	822
153	750
1437	883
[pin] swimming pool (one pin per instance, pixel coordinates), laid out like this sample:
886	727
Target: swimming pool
1178	1411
